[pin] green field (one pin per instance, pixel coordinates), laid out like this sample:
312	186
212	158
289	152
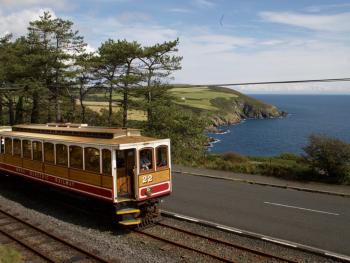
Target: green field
212	99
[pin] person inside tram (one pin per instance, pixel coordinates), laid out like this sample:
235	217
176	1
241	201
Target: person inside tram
144	162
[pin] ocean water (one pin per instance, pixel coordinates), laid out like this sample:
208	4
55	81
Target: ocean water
309	114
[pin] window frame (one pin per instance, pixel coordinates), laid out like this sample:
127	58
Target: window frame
6	148
20	148
31	147
102	164
42	151
152	161
167	158
82	156
99	160
54	151
60	164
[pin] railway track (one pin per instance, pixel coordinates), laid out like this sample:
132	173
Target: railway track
234	253
41	243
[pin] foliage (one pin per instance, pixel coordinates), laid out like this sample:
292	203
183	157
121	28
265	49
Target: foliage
289	156
184	129
234	157
328	157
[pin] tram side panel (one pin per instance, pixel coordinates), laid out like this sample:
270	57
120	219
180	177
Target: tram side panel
91	184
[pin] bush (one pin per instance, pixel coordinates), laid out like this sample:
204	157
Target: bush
328	157
289	156
232	157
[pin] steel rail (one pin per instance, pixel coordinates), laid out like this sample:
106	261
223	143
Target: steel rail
227	243
27	246
79	249
184	246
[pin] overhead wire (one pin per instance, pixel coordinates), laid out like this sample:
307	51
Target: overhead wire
190	85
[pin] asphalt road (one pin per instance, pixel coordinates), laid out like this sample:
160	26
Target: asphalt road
316	220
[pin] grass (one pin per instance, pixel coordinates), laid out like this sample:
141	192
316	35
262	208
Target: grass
9	255
216	100
199	97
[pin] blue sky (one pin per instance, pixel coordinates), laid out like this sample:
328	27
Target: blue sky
270	40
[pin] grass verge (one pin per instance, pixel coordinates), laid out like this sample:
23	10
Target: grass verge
9	255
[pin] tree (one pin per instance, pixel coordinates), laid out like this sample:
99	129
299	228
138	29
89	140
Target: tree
58	44
83	76
329	157
185	129
117	72
157	65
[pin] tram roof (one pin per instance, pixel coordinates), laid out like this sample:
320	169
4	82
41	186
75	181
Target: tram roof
84	134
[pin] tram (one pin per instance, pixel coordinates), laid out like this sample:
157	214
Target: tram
115	168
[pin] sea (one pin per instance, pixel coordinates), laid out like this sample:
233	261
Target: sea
325	114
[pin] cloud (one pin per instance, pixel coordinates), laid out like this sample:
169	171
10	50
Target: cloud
336	23
130	16
56	4
319	8
179	10
272	42
203	3
17	22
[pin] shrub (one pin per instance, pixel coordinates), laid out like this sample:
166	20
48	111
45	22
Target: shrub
289	156
328	157
232	157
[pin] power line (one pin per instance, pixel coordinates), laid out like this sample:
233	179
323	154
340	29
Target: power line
276	82
202	85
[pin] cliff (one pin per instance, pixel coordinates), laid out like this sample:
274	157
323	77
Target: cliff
226	106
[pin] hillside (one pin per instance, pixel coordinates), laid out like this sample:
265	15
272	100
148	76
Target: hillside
225	105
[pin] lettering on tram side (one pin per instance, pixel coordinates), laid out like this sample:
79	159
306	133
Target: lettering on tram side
19	170
64	182
39	175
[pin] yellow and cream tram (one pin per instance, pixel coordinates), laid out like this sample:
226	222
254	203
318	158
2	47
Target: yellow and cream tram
117	166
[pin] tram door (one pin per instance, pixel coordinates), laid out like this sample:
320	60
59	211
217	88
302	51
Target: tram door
125	171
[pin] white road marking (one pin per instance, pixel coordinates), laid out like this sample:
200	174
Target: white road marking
302	208
187	218
229	229
279	242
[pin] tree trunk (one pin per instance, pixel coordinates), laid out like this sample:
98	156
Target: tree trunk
19	111
1	114
83	108
125	114
110	107
48	115
73	114
35	109
12	113
93	118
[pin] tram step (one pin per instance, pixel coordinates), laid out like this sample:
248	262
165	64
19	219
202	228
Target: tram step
130	222
127	211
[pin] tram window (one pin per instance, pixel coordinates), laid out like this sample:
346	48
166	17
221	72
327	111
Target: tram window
27	149
106	162
61	154
146	159
92	159
17	147
76	157
38	151
8	146
120	159
49	152
162	156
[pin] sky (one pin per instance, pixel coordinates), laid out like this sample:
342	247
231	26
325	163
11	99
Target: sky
221	41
